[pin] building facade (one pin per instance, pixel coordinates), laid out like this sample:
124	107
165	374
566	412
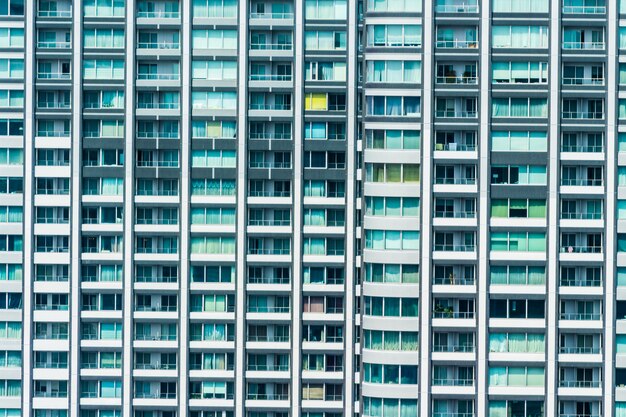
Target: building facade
316	208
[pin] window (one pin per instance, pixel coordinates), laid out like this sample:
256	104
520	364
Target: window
390	374
517	309
392	206
326	10
393	106
394	36
391	307
518	242
317	40
11	37
391	240
519	72
12	8
212	245
214	8
214	39
519	175
519	107
214	100
325	71
520	36
400	173
104	8
516	408
204	129
510	376
519	141
392	273
214	70
12	68
390	340
517	275
393	139
213	159
102	69
520	6
394	71
103	38
518	208
393	407
394	6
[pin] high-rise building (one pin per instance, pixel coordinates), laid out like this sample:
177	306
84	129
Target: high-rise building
313	208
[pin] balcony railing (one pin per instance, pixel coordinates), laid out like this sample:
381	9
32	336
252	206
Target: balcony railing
263	164
580	350
160	14
460	214
580	384
453	348
53	104
584	45
167	308
456	181
582	148
156	337
581	316
454	114
151	76
158	45
262	193
160	395
263	106
453	280
448	414
53	76
60	45
270	77
51	365
155	279
265	338
271	46
267	397
456	80
594	115
457	44
581	249
274	222
267	367
268	280
581	182
156	250
581	216
580	283
582	81
456	8
279	15
453	315
148	366
454	248
276	136
261	251
584	9
54	13
455	147
269	309
454	382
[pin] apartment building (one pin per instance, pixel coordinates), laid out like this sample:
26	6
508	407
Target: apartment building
316	208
